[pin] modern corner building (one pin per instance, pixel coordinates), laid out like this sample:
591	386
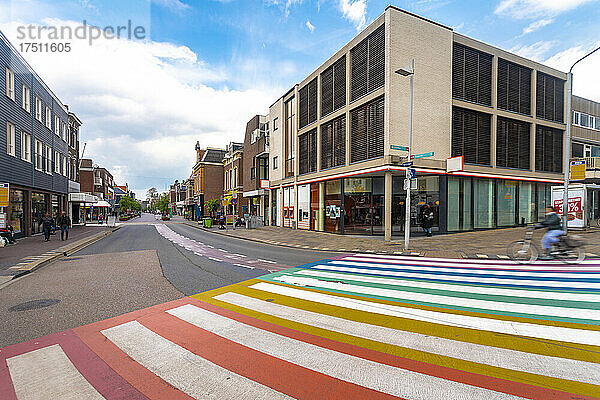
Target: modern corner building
34	156
333	167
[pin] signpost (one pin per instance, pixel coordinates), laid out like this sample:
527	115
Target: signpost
401	148
578	170
422	155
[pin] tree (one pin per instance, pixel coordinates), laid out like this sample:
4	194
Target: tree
127	203
163	203
212	205
151	193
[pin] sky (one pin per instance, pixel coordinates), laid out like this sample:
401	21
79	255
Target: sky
201	69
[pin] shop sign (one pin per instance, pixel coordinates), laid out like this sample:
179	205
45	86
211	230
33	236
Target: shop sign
576	206
265	184
4	194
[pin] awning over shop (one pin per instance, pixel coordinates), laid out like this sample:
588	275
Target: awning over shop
102	203
82	198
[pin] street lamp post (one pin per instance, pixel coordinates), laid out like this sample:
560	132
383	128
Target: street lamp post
567	152
408	72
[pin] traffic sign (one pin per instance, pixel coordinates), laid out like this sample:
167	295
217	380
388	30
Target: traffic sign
411	173
578	170
395	147
422	155
407	164
233	201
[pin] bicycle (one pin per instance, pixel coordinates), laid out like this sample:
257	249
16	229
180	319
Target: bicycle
569	249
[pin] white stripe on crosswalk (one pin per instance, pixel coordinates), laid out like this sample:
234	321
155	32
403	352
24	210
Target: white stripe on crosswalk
464	279
464	321
537	294
188	372
370	374
438	260
442	301
504	358
47	373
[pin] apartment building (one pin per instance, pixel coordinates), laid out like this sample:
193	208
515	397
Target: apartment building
335	166
75	198
256	166
207	177
233	200
34	147
97	182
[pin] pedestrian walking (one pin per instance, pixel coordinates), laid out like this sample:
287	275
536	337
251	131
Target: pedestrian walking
64	222
46	222
427	219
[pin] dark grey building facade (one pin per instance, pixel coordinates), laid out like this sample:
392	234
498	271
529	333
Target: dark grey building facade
34	153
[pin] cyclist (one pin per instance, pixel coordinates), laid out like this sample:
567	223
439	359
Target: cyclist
555	230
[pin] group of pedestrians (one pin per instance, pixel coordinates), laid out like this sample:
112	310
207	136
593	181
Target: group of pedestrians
62	221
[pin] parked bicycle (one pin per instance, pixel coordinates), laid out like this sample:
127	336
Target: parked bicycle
569	249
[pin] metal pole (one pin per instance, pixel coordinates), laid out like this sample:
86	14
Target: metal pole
567	152
407	212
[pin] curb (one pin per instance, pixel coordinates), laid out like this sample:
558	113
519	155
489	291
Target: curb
58	253
297	246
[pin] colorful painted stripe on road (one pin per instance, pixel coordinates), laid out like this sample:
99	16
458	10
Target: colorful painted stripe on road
383	329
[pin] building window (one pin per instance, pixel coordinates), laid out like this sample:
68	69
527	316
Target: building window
471	135
275	162
471	75
548	149
575	117
10	84
550	97
64	131
368	64
56	162
290	130
48	118
48	160
512	144
333	87
333	143
10	139
25	147
57	125
308	104
366	131
26	98
275	124
39	155
307	156
64	162
514	87
38	109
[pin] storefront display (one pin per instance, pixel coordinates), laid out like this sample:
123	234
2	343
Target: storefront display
16	216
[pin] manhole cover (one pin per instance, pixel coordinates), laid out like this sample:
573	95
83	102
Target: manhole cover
34	304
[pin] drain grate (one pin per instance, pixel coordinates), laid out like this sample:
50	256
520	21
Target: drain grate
34	305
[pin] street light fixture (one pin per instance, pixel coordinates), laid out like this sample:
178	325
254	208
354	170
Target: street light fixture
567	152
410	71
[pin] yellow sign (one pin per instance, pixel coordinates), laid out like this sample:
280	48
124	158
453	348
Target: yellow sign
3	194
578	170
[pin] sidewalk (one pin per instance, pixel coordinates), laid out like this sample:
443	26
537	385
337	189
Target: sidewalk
480	244
33	246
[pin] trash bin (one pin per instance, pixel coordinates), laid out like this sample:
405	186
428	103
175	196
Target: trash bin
207	222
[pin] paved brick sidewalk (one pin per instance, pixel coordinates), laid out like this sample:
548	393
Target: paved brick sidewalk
34	245
456	245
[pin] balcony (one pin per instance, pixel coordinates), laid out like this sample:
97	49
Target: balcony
592	166
97	181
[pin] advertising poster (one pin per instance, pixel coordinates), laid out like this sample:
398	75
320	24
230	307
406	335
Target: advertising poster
576	206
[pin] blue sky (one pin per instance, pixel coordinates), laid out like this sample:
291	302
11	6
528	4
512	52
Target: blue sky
209	65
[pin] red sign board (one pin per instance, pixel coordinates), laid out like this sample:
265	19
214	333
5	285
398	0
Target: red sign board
575	205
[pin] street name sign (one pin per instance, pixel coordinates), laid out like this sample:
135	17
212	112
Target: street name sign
422	155
407	164
395	147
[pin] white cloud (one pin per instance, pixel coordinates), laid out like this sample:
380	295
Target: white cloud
176	5
534	26
536	51
310	26
286	5
535	8
585	74
354	11
144	104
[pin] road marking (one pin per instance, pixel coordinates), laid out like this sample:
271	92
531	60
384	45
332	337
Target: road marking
188	372
267	261
245	266
397	381
214	259
441	301
504	358
47	373
463	321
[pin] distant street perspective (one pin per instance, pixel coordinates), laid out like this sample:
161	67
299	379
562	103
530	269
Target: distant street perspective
311	200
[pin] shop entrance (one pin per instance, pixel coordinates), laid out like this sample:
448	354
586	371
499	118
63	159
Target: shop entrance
39	207
427	192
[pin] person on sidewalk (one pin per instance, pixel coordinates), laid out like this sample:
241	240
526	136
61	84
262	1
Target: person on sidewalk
46	222
555	231
427	219
64	222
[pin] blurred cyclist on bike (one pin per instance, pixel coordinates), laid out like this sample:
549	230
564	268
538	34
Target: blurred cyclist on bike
555	230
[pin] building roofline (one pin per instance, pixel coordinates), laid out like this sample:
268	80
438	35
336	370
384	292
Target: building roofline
28	66
285	94
417	16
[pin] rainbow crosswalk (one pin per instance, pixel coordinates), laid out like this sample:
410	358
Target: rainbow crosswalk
353	327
